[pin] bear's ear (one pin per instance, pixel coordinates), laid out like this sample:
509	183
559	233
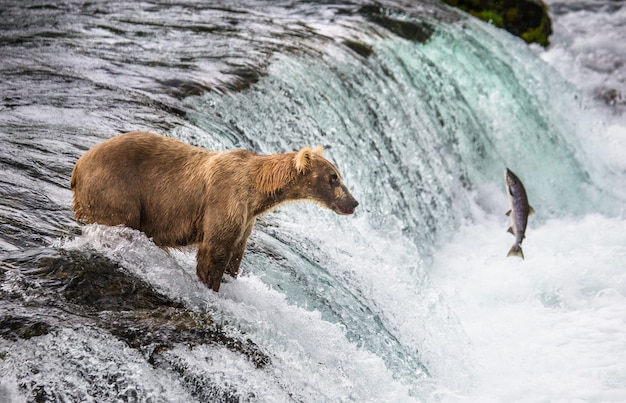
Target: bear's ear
280	169
302	160
319	150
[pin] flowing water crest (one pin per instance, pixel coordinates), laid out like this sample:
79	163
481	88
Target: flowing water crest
412	298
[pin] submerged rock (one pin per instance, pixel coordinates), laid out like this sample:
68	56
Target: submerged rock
55	294
361	48
154	331
13	327
391	20
88	288
528	19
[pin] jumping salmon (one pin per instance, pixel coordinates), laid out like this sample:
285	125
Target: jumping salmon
519	212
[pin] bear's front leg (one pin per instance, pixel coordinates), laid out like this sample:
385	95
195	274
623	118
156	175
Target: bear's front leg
223	244
238	250
212	261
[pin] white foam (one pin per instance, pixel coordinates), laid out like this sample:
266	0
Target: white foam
311	357
551	327
587	46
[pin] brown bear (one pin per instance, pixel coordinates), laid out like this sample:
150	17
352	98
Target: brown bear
179	194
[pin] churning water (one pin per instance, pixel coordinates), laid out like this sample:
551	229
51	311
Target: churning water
413	297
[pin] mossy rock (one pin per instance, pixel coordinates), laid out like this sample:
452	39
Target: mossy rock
528	19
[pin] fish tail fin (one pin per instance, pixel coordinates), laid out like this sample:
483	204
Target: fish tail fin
516	250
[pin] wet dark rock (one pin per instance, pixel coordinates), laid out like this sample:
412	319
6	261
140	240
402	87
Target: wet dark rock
99	284
200	388
92	289
161	328
180	88
390	19
361	48
528	19
239	79
611	96
21	327
243	78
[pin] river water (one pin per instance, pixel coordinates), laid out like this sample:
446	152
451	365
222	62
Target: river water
413	297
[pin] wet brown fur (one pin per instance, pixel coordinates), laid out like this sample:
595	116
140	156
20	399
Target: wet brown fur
179	194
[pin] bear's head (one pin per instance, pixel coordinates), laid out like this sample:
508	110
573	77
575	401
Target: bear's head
306	174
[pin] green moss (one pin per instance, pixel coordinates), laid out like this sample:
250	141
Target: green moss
490	16
536	35
527	19
512	14
540	34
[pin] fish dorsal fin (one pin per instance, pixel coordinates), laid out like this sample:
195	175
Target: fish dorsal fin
508	213
531	210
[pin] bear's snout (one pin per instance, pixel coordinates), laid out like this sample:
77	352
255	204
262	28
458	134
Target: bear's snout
345	208
345	205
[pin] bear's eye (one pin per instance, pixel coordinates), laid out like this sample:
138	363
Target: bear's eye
334	179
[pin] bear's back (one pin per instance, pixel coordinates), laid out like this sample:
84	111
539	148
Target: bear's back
144	181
